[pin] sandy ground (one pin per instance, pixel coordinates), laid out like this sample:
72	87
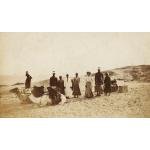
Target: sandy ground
135	103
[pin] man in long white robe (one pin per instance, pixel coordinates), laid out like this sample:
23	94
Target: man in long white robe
68	85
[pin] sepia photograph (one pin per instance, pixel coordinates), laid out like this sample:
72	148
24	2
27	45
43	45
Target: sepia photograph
74	75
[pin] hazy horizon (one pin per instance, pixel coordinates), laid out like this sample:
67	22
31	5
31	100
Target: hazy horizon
41	53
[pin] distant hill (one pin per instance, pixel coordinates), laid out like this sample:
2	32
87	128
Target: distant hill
139	73
18	83
3	86
134	73
44	83
10	79
129	73
18	79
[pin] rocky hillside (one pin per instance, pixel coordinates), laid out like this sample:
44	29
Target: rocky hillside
132	73
128	73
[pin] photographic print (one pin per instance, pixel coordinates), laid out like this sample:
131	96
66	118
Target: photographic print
74	74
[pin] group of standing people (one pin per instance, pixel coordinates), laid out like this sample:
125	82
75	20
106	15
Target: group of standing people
67	87
71	87
101	84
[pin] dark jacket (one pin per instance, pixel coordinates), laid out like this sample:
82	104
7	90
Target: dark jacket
107	81
60	85
28	81
53	81
107	84
99	78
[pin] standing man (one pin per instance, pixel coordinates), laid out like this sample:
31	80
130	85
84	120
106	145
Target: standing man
28	81
60	85
68	85
107	84
76	88
99	79
53	81
53	85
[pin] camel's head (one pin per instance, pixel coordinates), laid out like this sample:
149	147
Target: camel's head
15	90
21	95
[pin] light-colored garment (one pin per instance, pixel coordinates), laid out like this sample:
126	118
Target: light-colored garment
88	87
89	79
68	85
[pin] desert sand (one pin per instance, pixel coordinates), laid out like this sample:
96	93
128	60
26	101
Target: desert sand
134	104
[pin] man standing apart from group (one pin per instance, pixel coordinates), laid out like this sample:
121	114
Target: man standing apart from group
28	81
99	79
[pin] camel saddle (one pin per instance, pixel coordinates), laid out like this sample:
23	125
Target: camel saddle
38	91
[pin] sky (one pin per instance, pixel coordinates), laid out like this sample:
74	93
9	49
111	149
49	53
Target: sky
41	53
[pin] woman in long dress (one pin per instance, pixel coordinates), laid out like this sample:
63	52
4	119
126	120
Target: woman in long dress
68	85
88	86
76	88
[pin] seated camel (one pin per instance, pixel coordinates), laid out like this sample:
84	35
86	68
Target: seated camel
26	97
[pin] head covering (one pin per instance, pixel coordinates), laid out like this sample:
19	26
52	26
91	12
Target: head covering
53	73
88	72
107	74
26	72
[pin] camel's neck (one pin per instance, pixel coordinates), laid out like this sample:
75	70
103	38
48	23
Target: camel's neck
19	95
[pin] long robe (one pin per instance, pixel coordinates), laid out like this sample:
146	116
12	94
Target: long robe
60	86
28	81
68	85
53	81
88	87
76	88
98	82
107	84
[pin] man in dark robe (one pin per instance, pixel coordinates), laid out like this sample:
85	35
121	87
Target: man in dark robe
53	81
53	84
60	85
75	86
28	80
107	85
99	79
